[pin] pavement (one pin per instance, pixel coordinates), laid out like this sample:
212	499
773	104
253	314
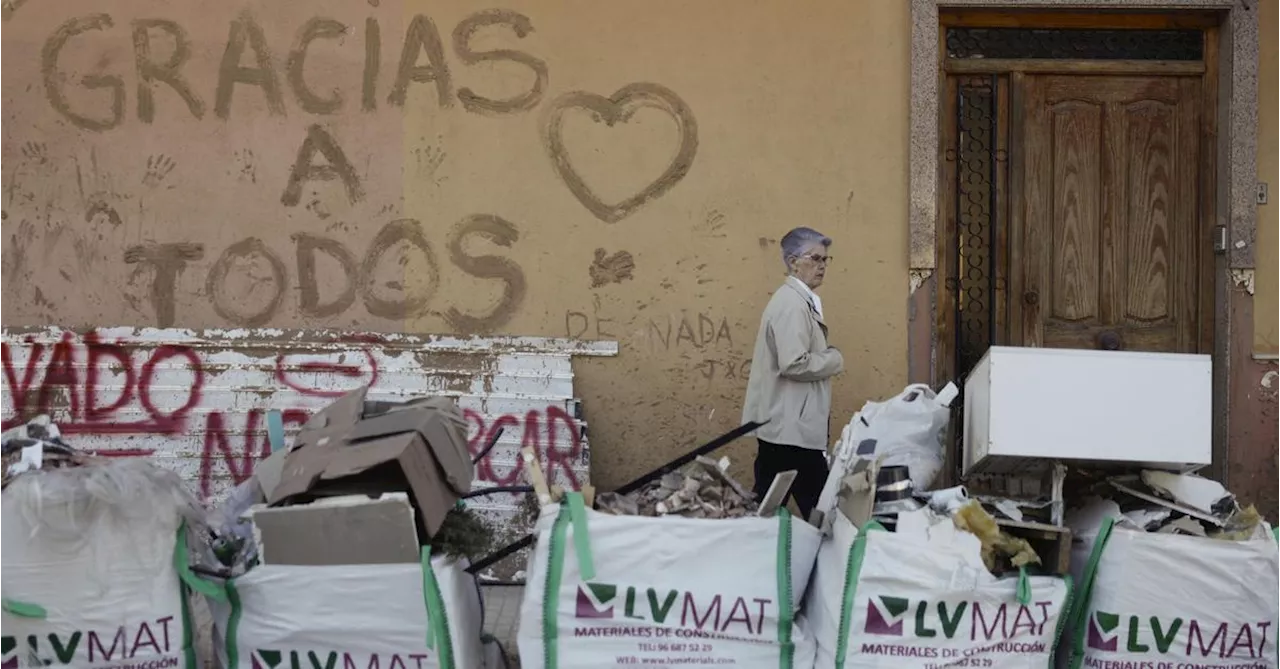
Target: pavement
502	616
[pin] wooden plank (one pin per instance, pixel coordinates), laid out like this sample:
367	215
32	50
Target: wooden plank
1098	19
535	476
1208	192
1049	66
1017	207
1184	219
1114	225
778	491
999	254
1035	262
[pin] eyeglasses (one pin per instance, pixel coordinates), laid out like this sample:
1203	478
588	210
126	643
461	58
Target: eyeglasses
821	260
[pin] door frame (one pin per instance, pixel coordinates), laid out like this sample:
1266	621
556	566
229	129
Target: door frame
1007	217
1228	186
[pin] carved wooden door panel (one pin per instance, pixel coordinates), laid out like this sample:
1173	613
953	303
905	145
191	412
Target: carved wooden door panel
1105	251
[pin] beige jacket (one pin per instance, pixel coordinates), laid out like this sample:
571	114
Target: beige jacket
791	370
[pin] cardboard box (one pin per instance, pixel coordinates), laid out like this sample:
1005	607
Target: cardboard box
352	529
419	447
1096	408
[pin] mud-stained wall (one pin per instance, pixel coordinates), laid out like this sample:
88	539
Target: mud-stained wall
1254	385
1266	319
617	171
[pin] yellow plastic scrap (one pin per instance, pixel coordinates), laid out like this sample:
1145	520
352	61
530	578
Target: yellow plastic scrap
974	519
1240	526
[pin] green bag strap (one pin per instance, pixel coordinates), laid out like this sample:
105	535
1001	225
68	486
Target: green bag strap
233	624
551	592
191	582
1062	619
1275	534
438	638
23	609
1024	586
182	564
852	568
787	654
581	539
1080	612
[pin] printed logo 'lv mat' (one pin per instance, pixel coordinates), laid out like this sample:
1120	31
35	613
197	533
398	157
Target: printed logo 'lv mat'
1104	631
595	600
9	646
267	659
885	615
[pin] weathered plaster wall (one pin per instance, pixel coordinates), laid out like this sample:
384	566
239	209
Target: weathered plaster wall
1252	451
1266	326
258	164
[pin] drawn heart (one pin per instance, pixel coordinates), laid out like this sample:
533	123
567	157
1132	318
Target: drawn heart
621	107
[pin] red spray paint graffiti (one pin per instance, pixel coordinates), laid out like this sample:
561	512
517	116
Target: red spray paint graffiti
62	390
139	395
239	462
557	447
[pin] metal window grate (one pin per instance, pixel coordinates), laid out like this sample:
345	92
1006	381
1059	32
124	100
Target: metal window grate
974	249
1075	44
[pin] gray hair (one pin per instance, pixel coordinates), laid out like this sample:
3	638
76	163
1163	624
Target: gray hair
795	242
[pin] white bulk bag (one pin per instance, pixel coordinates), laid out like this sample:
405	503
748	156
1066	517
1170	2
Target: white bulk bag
1154	600
908	431
95	570
611	591
886	600
375	616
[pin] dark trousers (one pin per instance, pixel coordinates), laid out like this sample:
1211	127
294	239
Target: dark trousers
811	473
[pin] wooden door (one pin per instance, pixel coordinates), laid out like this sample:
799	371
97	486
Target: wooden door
1105	251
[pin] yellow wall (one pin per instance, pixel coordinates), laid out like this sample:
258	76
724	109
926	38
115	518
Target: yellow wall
1266	331
801	119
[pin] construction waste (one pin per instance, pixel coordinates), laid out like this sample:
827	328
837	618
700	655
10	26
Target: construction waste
359	525
1155	560
703	489
38	445
352	547
610	590
95	557
1041	559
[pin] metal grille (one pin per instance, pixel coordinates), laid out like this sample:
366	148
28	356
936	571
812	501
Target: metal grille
974	280
1075	44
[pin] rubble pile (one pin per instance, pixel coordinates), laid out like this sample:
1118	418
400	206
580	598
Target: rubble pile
703	489
366	504
364	482
1162	502
38	445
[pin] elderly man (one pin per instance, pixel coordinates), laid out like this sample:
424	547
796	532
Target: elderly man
791	370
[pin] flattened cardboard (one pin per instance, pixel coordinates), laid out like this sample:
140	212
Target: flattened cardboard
436	423
420	447
353	529
268	472
332	421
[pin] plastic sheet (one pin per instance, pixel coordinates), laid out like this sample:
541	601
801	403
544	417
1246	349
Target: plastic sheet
64	502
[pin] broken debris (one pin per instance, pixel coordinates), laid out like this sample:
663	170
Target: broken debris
702	489
38	445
